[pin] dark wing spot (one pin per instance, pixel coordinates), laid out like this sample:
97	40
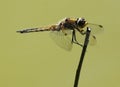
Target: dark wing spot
94	37
101	26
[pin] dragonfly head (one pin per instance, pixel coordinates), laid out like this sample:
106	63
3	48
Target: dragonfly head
81	22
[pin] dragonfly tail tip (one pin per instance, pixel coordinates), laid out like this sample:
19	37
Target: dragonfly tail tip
19	31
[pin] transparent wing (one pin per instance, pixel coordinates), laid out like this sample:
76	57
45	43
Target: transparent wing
62	40
80	38
95	28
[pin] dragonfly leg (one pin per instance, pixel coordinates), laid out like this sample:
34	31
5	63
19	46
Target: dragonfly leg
74	40
81	31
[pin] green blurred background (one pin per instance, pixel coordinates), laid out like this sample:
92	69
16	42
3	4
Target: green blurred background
34	60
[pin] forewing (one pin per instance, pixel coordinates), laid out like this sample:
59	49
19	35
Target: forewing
81	38
95	28
62	40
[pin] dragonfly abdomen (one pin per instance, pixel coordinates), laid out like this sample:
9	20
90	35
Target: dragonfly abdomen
51	28
33	30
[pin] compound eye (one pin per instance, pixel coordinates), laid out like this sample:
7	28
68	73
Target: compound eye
81	22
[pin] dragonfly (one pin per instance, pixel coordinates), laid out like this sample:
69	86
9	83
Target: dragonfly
69	31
